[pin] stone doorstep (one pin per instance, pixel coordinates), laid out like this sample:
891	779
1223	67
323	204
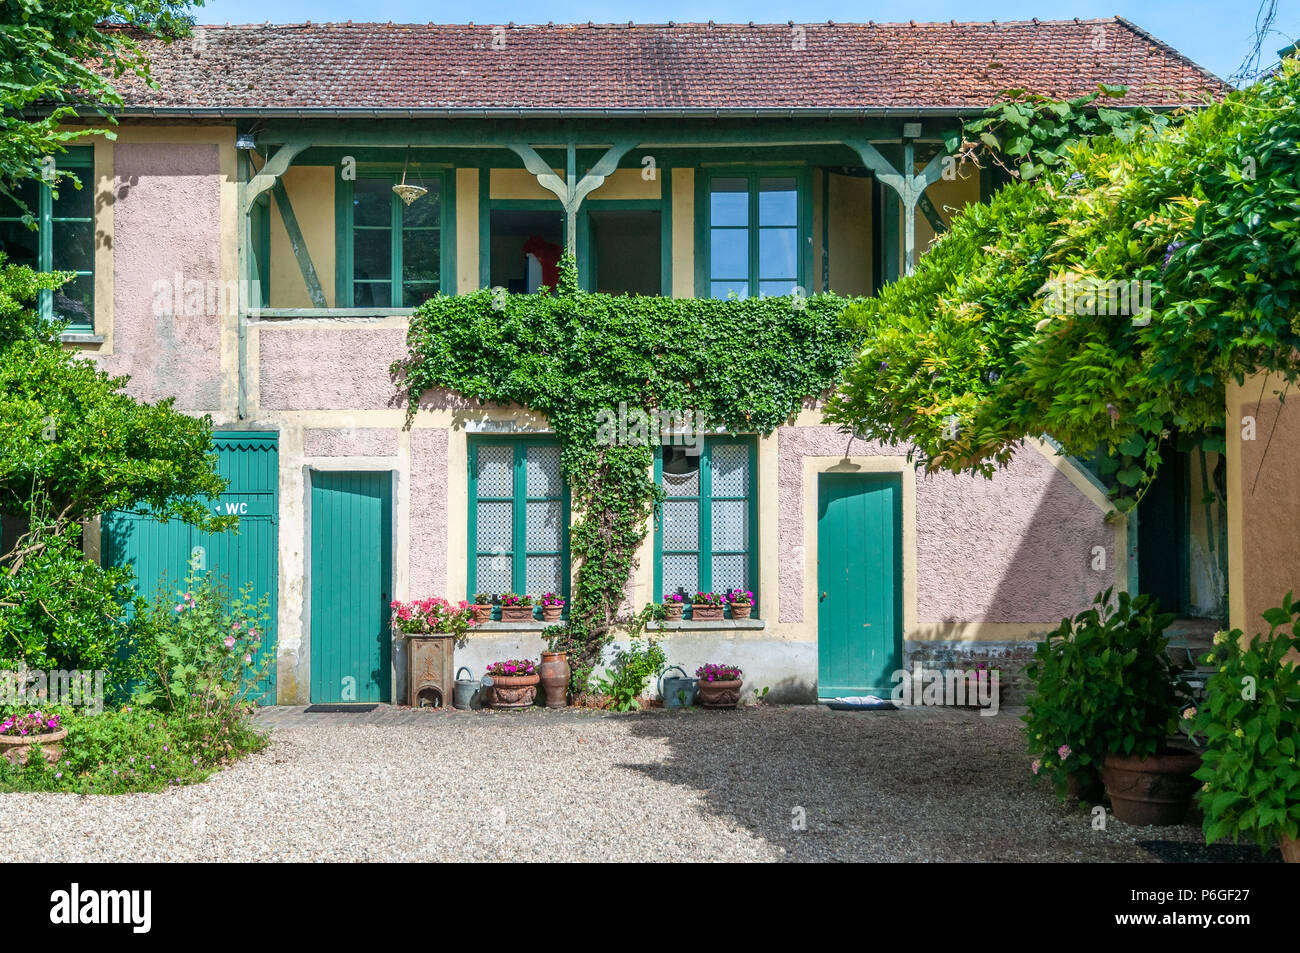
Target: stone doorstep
725	625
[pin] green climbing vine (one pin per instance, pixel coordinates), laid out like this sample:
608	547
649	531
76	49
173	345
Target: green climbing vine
742	364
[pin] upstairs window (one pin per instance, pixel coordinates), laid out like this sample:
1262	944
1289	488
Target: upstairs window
64	240
394	251
753	235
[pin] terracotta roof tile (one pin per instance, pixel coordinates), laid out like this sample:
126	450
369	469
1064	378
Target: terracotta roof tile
674	66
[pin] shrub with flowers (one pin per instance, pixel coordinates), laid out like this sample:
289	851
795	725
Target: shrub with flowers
740	596
551	600
512	668
715	672
434	614
30	723
513	599
707	599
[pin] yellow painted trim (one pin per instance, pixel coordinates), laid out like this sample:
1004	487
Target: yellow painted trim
812	466
457	515
683	199
467	230
769	527
105	196
1234	398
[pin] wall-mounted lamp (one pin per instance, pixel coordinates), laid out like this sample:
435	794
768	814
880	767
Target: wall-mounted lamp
245	140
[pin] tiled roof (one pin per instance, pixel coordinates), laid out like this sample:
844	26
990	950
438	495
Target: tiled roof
691	66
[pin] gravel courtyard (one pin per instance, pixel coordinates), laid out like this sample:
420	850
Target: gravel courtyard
401	785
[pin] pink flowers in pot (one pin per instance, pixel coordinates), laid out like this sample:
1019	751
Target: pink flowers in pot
714	672
707	599
674	597
741	596
512	668
551	600
32	723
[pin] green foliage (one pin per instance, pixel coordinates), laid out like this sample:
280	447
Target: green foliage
1102	683
198	651
1025	133
743	364
962	362
73	445
135	749
50	56
626	680
1251	723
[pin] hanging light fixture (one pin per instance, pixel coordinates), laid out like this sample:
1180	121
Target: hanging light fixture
408	193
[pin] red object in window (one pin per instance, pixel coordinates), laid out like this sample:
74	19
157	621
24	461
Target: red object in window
548	255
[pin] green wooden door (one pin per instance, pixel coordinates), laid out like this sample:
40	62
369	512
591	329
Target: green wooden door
859	583
159	554
351	586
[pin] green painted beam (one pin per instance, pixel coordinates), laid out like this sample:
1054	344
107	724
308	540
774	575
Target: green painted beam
299	245
931	214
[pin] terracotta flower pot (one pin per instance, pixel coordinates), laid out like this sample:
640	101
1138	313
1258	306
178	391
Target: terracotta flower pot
1085	786
516	613
1290	849
718	694
672	612
554	672
482	613
514	691
1155	790
16	748
551	613
706	613
741	610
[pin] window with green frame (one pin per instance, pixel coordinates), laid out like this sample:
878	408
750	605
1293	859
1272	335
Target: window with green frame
754	225
518	516
705	535
63	241
392	252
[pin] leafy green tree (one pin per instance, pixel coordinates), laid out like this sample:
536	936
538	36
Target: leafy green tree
973	353
64	55
73	445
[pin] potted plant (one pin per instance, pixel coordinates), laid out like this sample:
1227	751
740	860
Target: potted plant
19	732
1106	701
434	615
1251	722
516	608
552	607
514	683
718	685
741	602
706	607
482	607
674	603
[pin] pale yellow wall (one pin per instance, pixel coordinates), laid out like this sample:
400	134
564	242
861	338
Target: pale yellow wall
948	196
850	235
628	184
683	199
518	184
311	192
467	230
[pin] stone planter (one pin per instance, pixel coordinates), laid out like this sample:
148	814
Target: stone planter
718	694
16	748
706	613
552	613
741	610
1155	790
554	673
482	614
514	691
672	612
516	613
429	669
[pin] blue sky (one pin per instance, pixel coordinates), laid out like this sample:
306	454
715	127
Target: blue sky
1217	34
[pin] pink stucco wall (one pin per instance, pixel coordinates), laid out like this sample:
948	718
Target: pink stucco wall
350	442
428	516
320	368
1017	548
167	227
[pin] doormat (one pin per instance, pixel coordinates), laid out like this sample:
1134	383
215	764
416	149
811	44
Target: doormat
339	709
859	703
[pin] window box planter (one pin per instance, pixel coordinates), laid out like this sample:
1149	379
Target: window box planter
516	613
706	613
482	613
672	612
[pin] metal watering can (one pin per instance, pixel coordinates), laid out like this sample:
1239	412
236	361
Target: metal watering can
465	690
677	692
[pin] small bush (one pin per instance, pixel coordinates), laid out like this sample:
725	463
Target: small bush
626	680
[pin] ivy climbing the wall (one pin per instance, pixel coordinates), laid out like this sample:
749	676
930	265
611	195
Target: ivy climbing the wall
745	365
